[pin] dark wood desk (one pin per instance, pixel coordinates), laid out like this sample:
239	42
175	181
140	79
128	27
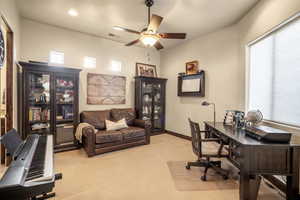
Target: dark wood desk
255	159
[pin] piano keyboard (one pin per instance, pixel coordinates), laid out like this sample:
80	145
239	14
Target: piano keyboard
36	169
41	168
31	173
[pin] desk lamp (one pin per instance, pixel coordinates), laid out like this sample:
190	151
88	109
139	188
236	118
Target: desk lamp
205	103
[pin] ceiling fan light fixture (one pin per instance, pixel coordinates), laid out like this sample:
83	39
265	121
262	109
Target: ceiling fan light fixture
149	39
118	28
72	12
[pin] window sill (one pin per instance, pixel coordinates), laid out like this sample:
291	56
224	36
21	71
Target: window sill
289	128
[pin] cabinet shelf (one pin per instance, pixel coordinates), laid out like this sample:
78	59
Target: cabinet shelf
65	103
38	121
40	131
39	104
38	87
62	121
147	93
64	88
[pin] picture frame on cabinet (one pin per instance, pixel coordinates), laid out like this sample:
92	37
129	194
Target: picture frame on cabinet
146	70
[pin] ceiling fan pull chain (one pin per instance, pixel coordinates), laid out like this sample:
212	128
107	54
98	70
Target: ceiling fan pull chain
148	57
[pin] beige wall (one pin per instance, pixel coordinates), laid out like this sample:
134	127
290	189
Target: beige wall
8	10
38	39
217	54
222	56
264	16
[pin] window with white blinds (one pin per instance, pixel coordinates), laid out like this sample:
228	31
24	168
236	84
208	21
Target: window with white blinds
274	75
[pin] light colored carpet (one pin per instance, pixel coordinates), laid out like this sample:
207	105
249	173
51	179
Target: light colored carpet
139	173
189	180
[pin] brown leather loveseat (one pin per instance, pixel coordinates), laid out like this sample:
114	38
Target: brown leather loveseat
99	140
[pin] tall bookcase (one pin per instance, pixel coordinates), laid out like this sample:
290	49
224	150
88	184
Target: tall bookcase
150	101
48	102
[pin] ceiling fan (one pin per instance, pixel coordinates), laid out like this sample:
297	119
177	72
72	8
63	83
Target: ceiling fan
149	36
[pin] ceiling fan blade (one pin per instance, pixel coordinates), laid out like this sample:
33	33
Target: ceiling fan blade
173	35
126	29
154	23
132	43
158	45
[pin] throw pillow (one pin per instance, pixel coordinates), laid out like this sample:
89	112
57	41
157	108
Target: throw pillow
114	126
127	113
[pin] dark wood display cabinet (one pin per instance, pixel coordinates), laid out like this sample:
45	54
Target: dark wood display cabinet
150	101
48	102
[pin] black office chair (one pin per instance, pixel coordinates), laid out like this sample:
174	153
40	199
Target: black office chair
204	159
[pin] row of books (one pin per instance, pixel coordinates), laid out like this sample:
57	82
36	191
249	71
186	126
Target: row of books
39	114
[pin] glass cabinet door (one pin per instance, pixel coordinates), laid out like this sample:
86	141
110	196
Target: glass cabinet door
157	106
64	99
150	101
147	90
39	103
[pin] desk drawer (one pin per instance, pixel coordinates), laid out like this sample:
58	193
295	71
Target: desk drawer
270	160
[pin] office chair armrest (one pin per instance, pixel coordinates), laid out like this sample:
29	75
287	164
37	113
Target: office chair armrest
211	140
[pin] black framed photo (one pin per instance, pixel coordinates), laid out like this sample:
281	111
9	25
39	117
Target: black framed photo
191	85
146	70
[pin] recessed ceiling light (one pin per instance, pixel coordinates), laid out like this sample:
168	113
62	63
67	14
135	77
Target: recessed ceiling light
118	28
72	12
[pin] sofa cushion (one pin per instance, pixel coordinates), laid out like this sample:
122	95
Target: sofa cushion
96	118
103	136
112	126
127	113
132	132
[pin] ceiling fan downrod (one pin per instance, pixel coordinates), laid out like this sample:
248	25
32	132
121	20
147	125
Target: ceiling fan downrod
149	4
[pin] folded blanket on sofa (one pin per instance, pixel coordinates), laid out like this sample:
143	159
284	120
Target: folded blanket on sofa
79	130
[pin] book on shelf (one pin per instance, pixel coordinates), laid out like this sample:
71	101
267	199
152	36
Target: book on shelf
37	114
67	112
39	126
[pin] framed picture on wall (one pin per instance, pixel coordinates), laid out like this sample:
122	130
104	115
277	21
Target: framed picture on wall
146	70
191	67
103	89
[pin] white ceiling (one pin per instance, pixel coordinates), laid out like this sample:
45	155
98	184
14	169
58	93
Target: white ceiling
97	17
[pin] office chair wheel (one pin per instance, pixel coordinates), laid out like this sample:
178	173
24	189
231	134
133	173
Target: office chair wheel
188	167
203	178
225	177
